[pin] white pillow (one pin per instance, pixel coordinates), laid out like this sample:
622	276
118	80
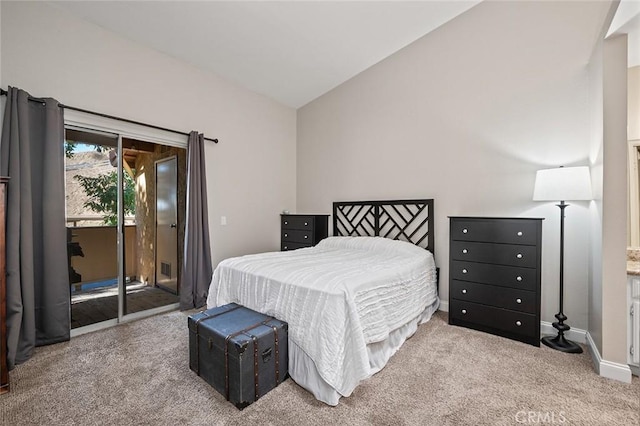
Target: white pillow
372	243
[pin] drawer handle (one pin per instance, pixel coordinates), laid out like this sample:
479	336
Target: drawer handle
464	251
518	323
464	311
285	247
518	278
286	235
464	271
305	237
519	233
519	255
286	223
518	300
464	230
464	291
305	224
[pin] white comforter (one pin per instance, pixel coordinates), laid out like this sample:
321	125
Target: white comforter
337	297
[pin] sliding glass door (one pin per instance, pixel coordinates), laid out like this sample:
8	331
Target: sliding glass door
125	214
91	182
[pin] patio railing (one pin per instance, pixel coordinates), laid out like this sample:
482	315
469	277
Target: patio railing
94	220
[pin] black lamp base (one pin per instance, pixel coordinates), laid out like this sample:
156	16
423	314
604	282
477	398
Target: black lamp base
560	343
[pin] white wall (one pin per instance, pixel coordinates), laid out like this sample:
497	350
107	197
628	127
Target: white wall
466	115
633	114
607	281
607	323
597	163
251	172
614	200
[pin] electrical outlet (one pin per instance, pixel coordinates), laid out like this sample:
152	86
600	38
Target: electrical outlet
223	220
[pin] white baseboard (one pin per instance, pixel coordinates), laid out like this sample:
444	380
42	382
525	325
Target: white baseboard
575	334
595	354
615	371
608	369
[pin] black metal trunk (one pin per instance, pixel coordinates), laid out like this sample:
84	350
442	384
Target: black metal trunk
240	352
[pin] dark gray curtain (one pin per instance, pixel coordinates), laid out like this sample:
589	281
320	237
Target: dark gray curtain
197	269
32	155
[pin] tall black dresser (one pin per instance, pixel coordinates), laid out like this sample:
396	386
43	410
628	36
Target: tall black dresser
494	276
302	230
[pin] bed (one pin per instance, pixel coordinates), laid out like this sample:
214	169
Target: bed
352	300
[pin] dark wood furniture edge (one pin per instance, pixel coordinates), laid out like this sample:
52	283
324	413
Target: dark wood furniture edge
4	370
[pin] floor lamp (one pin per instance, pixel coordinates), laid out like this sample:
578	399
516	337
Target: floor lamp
562	184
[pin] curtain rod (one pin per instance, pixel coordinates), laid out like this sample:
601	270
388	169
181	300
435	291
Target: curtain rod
126	120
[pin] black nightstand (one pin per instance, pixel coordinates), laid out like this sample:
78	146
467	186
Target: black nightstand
302	230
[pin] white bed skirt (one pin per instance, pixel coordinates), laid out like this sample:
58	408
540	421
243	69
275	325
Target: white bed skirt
303	370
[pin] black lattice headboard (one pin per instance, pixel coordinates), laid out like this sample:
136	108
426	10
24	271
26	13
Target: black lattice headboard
407	220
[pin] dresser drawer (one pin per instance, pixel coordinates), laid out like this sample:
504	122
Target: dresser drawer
496	318
504	276
297	222
501	254
285	246
507	231
502	297
296	236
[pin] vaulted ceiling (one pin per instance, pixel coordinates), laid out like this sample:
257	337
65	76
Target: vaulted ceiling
291	51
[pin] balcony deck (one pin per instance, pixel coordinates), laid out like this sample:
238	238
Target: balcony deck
101	304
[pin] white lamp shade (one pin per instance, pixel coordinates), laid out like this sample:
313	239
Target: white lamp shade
562	184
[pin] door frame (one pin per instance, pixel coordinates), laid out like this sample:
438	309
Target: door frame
633	175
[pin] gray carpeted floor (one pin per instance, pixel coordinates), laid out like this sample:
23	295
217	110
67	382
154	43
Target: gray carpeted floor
138	374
